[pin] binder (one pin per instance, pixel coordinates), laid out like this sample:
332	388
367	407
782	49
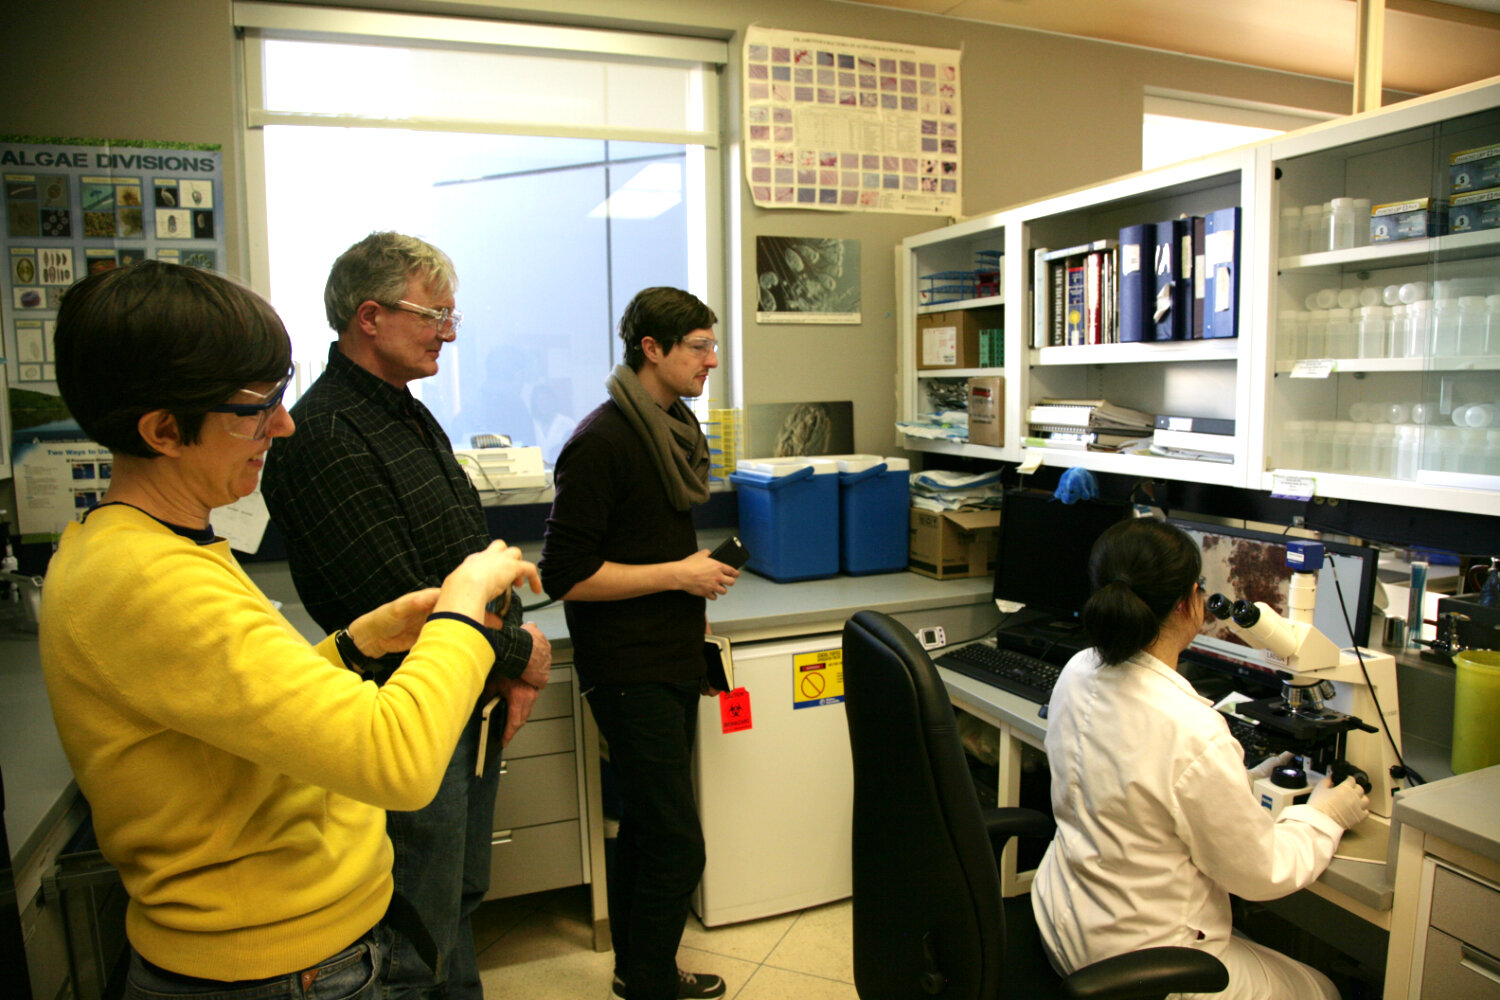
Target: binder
1172	292
1199	232
1135	259
1040	298
719	662
1221	262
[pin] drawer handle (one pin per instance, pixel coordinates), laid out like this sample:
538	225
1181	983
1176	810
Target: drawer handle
501	837
1479	963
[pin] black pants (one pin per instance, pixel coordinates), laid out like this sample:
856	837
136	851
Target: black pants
659	854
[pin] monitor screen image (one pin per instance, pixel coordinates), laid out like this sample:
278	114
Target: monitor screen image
1043	557
1244	564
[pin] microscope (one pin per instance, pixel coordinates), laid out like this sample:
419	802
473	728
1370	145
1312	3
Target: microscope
1327	709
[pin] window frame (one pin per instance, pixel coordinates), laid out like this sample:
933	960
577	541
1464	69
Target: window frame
258	22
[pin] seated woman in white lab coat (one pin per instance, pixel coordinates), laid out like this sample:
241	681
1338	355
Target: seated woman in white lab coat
1156	824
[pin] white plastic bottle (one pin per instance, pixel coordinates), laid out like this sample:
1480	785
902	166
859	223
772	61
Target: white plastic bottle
1361	447
1347	298
1339	340
1338	446
1397	413
1370	296
1491	466
1444	328
1418	328
1315	336
1289	234
1326	298
1472	319
1372	331
1383	451
1469	456
1398	329
1312	229
1290	340
1421	412
1412	291
1408	444
1361	222
1391	295
1293	435
1482	415
1316	443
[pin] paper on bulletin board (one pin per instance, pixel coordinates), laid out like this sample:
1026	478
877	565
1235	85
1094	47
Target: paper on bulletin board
818	678
851	124
57	482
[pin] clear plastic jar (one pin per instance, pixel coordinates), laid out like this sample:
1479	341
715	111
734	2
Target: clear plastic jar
1290	337
1408	448
1383	451
1472	319
1398	329
1361	448
1361	222
1341	224
1293	435
1372	325
1289	234
1492	325
1418	328
1491	462
1339	340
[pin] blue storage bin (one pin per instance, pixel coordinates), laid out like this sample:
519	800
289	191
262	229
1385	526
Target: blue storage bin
874	514
789	517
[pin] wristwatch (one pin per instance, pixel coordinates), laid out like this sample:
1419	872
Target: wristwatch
349	651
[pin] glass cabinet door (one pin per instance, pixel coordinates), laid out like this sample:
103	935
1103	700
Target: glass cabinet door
1385	320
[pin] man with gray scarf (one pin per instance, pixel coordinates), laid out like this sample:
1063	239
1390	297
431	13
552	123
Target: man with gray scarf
622	554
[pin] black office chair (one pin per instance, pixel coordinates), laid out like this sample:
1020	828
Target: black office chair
928	915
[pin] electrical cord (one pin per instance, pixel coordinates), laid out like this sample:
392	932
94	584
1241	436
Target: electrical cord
1407	773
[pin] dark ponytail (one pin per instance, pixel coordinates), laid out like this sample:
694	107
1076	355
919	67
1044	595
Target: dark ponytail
1140	569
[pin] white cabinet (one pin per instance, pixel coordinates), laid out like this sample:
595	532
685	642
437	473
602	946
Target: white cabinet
1292	416
1384	364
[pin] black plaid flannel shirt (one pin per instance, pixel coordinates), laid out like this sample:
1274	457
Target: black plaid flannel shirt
369	508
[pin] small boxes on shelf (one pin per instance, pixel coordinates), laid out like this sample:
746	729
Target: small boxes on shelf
947	286
1407	220
947	340
1474	169
1475	211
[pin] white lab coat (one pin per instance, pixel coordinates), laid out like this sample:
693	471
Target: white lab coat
1156	824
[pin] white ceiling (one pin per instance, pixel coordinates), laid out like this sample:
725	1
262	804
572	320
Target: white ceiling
1429	46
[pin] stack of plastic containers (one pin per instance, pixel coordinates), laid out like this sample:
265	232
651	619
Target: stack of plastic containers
789	516
874	513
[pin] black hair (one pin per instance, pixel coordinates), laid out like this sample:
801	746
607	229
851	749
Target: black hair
156	336
666	315
1140	569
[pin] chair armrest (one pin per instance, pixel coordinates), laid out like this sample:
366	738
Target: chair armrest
1148	974
1006	822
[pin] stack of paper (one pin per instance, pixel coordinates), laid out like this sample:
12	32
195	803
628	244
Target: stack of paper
1086	424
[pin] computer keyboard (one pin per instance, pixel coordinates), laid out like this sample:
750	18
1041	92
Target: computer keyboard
1017	673
1251	741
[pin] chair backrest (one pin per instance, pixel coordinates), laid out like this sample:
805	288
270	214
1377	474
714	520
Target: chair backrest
928	914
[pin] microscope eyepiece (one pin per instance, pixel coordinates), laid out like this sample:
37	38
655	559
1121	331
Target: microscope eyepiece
1219	606
1245	614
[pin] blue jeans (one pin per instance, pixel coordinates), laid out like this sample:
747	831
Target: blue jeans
443	868
352	974
659	855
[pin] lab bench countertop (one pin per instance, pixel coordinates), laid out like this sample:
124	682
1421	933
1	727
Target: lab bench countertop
1463	810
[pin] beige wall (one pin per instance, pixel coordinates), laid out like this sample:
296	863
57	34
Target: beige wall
1042	113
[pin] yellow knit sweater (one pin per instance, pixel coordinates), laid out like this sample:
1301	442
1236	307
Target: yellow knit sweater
237	775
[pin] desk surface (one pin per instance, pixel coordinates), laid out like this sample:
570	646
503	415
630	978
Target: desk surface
1463	810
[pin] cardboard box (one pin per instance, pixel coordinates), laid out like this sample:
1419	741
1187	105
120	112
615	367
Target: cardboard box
1474	169
1407	220
987	410
956	543
1475	211
948	340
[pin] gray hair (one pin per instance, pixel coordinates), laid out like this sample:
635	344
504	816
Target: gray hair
377	269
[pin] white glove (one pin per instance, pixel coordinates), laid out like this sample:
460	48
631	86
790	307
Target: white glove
1265	767
1345	804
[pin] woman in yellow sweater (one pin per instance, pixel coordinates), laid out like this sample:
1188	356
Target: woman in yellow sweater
237	775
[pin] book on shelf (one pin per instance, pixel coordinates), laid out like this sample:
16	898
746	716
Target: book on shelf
1056	436
1161	451
1074	334
1173	292
1041	293
1094	414
1199	425
1063	274
1192	441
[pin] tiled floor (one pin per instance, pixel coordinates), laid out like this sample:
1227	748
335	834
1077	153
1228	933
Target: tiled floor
541	947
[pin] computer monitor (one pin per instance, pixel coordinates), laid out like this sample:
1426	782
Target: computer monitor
1043	557
1241	563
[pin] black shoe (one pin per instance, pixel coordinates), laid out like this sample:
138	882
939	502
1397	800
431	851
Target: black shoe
690	986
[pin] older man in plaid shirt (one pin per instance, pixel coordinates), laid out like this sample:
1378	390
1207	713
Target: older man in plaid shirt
373	505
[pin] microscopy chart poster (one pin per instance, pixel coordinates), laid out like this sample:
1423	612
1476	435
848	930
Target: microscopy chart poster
804	279
850	124
76	206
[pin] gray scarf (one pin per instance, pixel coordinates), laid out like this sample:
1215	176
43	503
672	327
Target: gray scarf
673	437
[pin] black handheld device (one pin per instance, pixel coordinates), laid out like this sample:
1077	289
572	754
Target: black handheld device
731	552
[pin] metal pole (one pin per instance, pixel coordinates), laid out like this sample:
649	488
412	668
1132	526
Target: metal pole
1369	33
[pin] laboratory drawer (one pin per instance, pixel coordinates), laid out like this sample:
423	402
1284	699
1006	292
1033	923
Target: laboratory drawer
534	859
1453	970
1466	909
536	790
541	737
555	700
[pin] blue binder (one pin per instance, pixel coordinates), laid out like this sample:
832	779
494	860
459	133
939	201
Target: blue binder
1135	279
1171	306
1221	261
